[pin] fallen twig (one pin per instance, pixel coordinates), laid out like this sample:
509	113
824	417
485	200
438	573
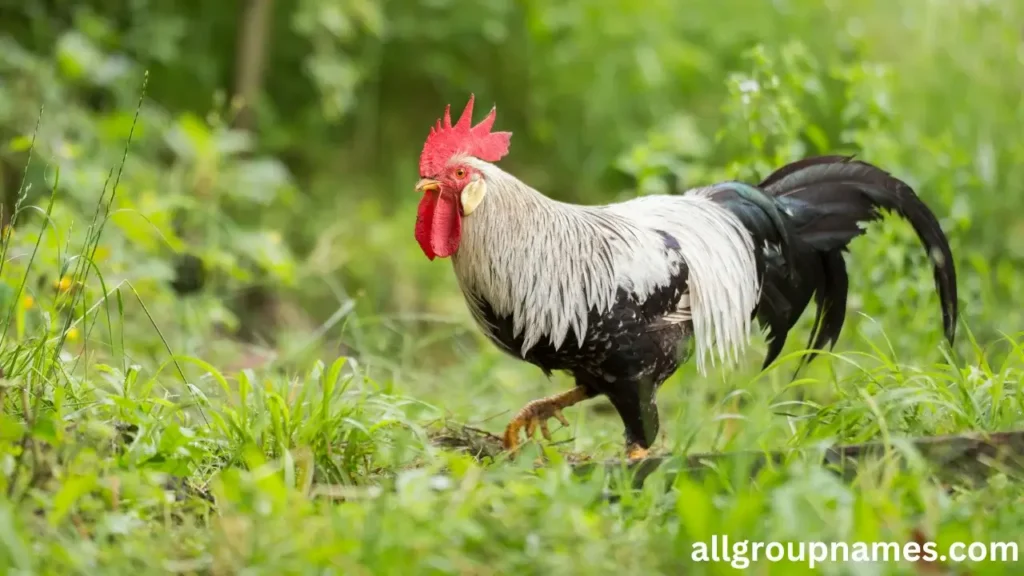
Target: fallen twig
953	458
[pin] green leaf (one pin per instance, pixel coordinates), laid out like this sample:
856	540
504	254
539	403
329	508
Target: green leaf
71	491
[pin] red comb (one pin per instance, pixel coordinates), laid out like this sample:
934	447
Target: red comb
445	140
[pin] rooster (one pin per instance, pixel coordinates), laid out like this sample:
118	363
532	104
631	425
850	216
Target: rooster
619	296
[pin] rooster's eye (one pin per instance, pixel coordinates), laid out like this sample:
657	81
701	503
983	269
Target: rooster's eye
460	173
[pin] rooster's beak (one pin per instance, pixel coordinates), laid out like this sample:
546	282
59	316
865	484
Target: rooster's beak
428	185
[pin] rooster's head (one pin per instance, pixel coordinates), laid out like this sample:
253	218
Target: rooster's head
452	188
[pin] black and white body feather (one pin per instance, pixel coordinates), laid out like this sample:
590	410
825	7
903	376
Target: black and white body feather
619	295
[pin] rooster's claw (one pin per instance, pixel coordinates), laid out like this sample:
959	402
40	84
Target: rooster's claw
537	413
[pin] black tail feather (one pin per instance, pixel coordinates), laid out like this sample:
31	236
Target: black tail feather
831	303
826	200
798	165
831	196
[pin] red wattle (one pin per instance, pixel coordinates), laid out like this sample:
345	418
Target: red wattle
439	224
424	218
447	228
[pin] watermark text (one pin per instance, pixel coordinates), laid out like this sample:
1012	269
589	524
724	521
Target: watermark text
741	553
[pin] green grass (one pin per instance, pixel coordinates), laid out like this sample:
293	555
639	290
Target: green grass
325	469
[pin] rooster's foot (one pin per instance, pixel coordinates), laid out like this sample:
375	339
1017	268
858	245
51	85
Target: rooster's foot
538	412
636	452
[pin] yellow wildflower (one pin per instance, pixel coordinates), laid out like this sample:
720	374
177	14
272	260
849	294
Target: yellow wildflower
27	302
63	285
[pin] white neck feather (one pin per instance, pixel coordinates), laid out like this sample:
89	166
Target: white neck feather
548	263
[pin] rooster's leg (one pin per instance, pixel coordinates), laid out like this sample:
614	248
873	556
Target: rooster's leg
636	406
636	452
538	412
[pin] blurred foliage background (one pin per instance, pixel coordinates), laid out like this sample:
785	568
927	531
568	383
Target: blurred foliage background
265	211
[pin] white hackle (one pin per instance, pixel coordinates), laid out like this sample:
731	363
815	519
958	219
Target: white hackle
548	263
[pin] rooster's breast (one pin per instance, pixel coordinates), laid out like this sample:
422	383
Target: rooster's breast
635	338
